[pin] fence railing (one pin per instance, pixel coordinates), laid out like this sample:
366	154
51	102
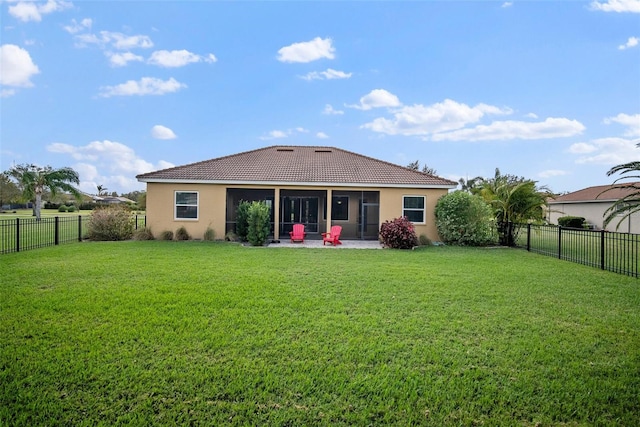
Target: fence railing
617	252
21	234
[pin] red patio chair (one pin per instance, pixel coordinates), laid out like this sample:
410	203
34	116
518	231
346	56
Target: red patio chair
333	236
298	234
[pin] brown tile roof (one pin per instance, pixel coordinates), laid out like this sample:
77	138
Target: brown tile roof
298	164
600	193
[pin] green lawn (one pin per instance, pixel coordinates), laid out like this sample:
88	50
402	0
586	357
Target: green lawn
200	333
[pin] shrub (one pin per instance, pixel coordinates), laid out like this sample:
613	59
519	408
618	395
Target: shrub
143	234
465	219
87	206
71	208
110	223
62	208
209	234
398	234
258	225
182	234
423	240
166	235
242	216
571	221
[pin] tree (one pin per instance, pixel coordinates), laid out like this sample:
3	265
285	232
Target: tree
9	191
515	201
425	169
34	180
630	203
102	190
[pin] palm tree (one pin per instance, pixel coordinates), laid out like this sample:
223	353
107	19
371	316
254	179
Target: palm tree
630	203
102	190
515	201
34	180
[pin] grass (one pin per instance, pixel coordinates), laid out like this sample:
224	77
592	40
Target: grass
201	333
621	250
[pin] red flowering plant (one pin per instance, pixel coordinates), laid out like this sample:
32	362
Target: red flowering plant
398	234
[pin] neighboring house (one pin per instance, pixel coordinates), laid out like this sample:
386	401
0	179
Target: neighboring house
591	204
112	200
296	182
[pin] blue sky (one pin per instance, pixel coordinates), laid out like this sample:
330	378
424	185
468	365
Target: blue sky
548	90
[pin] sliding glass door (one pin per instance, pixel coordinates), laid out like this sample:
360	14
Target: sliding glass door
299	210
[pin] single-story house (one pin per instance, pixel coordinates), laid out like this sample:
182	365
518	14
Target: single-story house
316	186
112	200
591	204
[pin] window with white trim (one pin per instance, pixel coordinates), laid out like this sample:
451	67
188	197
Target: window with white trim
186	205
413	207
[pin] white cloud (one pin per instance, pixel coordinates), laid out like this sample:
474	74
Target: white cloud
507	4
631	121
377	98
330	74
531	115
177	58
617	6
609	151
122	59
631	42
328	109
162	132
108	163
32	11
115	40
582	148
17	68
76	27
275	134
552	127
552	172
5	93
145	86
425	120
322	135
307	51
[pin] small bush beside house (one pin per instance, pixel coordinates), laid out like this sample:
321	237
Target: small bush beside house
465	219
258	223
111	223
571	221
398	233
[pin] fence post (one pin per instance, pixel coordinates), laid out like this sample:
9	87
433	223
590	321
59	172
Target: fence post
56	232
602	257
79	228
17	234
529	237
559	242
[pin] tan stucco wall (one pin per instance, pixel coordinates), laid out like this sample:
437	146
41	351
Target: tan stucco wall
391	207
212	209
594	214
211	212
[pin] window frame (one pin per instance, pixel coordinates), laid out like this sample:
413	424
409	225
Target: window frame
423	209
176	205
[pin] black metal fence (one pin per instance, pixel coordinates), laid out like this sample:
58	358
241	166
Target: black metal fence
21	234
617	252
